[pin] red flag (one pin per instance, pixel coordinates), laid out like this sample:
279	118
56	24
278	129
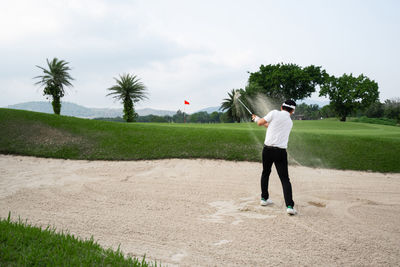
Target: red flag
186	103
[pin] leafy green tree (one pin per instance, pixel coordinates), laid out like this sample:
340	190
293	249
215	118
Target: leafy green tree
168	118
348	93
392	109
129	90
215	117
178	117
225	117
155	118
308	112
286	81
199	117
54	80
375	110
327	112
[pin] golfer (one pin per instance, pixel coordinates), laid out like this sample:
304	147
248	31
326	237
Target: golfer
279	125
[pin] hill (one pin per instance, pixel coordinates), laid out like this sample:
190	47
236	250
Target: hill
75	110
323	143
71	109
210	110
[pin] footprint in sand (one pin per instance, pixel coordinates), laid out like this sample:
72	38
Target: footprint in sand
229	210
317	204
178	256
222	242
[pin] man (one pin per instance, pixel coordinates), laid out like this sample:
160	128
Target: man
279	126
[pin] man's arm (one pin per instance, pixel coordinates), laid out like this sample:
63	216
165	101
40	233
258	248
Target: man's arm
259	121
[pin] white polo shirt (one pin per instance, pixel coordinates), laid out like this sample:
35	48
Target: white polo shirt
279	127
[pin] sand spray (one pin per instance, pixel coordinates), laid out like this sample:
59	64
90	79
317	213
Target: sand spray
261	105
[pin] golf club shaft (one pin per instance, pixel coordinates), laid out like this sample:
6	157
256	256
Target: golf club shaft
245	106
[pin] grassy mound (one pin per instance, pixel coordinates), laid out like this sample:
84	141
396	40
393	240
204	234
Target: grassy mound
24	245
325	143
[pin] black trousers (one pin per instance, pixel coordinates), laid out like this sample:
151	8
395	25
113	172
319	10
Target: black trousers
279	157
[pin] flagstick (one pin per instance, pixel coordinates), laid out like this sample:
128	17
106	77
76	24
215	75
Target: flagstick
184	106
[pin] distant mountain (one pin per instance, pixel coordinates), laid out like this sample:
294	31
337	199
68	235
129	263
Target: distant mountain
209	110
157	112
71	109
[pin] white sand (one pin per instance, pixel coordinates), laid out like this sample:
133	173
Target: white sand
207	213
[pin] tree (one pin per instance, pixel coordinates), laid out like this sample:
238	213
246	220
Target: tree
327	111
392	109
225	117
348	93
200	117
230	106
215	117
285	81
375	110
55	78
179	116
129	90
308	112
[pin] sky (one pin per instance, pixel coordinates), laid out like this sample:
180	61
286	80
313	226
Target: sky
190	49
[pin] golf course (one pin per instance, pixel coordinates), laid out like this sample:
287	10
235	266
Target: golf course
199	133
188	194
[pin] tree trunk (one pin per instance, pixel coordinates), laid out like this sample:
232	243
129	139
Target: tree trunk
128	110
343	118
56	103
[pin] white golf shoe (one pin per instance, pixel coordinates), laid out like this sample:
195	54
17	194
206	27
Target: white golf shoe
267	202
291	211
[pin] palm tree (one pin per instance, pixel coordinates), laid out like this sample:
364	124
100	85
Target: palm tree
129	90
55	78
229	104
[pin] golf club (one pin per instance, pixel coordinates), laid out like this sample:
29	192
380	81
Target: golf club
237	95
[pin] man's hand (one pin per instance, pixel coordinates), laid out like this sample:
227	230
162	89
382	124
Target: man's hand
259	121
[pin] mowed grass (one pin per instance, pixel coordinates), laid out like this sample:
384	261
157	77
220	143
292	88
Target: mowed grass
22	244
324	143
346	145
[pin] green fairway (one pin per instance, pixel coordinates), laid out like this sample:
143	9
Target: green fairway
346	145
324	143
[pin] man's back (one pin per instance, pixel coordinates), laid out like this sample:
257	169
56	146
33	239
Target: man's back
279	127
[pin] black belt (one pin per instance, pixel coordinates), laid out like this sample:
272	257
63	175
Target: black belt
273	147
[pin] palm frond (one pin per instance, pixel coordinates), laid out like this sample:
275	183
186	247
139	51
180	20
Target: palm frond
56	74
128	86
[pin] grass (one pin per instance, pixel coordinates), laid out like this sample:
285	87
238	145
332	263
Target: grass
383	121
22	244
346	145
323	143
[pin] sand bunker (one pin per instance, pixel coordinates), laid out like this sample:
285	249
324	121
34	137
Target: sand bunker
207	213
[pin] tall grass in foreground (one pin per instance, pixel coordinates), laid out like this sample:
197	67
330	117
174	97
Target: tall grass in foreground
323	143
24	245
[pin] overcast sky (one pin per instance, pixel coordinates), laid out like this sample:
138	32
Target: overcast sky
194	50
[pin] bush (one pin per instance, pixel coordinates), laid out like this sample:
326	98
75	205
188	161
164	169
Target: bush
392	109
